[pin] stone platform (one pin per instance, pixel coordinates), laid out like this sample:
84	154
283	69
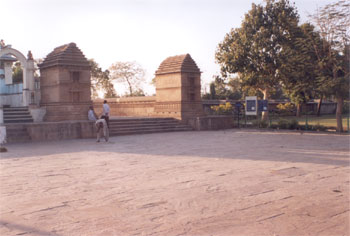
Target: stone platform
233	182
50	131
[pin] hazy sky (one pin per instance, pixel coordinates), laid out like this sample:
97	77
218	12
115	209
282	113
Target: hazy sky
145	31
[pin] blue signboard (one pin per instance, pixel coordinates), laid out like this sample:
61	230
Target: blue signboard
238	105
251	105
262	105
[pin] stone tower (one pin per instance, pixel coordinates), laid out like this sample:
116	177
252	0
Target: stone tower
178	88
65	84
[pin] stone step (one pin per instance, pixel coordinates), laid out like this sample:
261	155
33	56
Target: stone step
15	109
16	112
130	128
18	120
121	125
143	120
17	115
147	131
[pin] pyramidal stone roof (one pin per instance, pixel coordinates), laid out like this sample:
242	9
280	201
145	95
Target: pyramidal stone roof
180	63
65	55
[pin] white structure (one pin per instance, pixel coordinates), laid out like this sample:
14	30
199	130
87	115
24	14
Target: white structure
21	94
251	107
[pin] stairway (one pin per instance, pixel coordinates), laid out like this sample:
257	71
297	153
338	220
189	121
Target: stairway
126	126
17	115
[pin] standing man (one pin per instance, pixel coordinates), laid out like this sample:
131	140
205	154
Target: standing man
106	111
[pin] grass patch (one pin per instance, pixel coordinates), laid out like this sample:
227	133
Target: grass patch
327	121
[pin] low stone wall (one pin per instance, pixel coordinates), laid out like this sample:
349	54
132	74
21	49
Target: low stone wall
211	122
48	131
128	106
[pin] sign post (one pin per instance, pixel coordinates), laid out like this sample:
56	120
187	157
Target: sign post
238	108
251	106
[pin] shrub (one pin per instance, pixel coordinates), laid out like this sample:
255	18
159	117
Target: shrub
274	126
346	108
318	127
293	124
223	109
286	109
283	124
260	123
263	124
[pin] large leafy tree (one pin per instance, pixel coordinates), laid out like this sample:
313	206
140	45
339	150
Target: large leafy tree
130	73
333	24
299	68
254	50
101	81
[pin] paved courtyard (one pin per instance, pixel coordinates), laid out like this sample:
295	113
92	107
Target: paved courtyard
233	182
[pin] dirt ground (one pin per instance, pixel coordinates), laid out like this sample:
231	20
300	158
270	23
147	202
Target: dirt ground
233	182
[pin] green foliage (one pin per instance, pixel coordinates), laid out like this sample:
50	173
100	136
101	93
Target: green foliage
101	81
318	127
288	124
260	123
223	109
17	73
137	93
110	92
293	124
255	49
346	108
224	88
283	124
212	91
333	23
299	70
286	108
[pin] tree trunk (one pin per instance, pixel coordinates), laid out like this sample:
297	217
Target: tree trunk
319	106
130	87
299	109
265	114
339	112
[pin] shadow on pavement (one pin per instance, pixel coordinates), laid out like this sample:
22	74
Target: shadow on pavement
328	149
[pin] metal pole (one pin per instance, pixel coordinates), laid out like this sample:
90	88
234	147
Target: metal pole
238	117
306	124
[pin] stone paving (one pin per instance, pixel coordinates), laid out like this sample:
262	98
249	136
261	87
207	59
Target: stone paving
233	182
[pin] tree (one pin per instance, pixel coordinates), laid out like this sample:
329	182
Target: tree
212	91
101	81
17	73
299	71
254	49
130	73
333	24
